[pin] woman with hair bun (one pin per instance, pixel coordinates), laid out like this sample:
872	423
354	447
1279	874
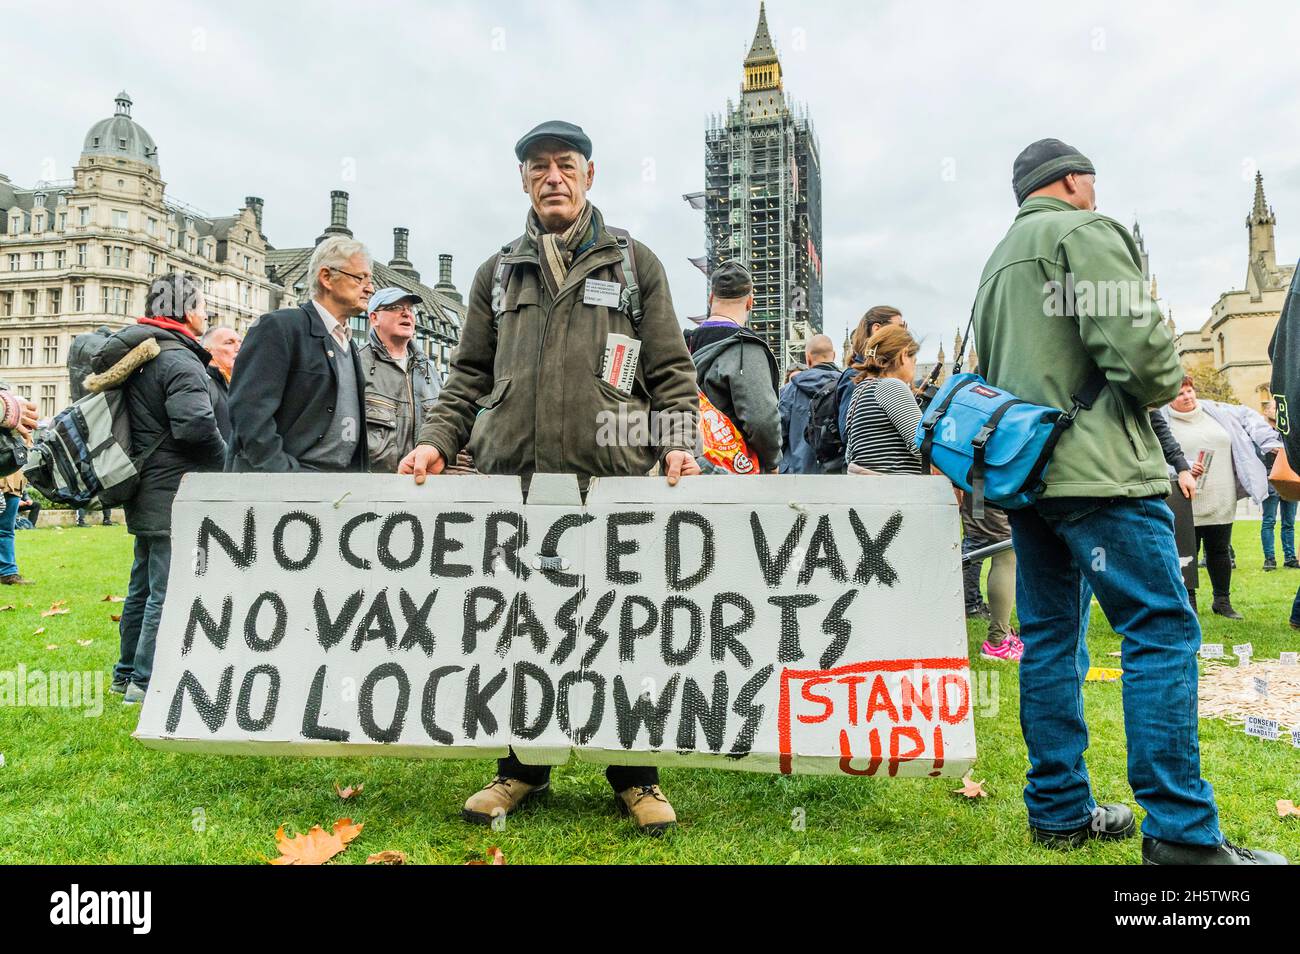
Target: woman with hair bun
884	414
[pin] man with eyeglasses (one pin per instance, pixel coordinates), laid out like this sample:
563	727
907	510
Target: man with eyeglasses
401	383
298	390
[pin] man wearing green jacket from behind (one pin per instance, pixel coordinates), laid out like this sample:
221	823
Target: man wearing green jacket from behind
1061	296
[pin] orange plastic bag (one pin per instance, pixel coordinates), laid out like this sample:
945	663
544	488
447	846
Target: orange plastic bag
724	445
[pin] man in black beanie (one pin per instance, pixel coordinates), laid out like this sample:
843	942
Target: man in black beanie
1063	310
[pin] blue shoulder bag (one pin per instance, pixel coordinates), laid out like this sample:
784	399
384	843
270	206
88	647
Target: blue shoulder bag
991	443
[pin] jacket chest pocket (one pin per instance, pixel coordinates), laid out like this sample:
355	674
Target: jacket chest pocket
380	412
518	325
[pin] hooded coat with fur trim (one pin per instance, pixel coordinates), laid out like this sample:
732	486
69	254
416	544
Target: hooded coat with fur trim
167	390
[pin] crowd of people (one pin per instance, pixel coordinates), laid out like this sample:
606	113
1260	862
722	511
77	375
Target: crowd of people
299	394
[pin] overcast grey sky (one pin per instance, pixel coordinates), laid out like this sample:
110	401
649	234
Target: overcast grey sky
413	107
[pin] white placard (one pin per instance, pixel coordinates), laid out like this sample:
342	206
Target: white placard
1288	659
1261	686
1243	649
1211	650
1261	728
778	626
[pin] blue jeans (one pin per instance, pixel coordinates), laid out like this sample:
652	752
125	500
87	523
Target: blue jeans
138	628
8	520
1271	504
1123	550
1295	609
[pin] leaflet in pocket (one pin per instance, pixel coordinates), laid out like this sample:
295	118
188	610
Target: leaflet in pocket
619	367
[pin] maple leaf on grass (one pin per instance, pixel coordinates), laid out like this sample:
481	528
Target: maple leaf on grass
7	606
350	790
317	846
387	858
115	617
56	610
495	857
110	598
84	642
1287	807
39	631
971	788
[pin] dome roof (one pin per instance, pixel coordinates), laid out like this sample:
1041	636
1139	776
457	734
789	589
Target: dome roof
120	136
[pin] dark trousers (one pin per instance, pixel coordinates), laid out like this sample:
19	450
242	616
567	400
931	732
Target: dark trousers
1217	539
620	777
142	610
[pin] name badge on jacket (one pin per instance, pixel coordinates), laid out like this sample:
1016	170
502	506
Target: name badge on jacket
596	292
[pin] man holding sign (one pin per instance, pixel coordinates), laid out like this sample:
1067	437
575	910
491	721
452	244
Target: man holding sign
569	325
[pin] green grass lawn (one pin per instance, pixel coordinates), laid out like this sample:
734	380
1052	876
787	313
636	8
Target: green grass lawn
81	790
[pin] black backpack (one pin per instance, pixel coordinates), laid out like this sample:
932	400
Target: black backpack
822	432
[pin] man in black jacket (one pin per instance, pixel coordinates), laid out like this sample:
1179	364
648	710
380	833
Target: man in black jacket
222	342
162	370
298	392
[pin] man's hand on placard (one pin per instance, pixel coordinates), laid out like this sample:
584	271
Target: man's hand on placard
1187	483
679	464
1197	468
27	420
424	460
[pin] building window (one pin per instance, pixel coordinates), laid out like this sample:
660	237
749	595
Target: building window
119	219
171	238
47	400
61	258
63	221
153	264
153	226
81	253
207	287
25	390
50	351
83	215
6	305
29	302
189	244
38	224
54	298
16	224
4	352
25	348
15	262
78	298
38	261
248	264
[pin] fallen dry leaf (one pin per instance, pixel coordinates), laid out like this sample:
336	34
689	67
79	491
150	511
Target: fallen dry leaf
7	606
495	857
56	611
84	642
970	788
350	790
110	598
317	846
1287	807
52	646
39	631
115	617
387	858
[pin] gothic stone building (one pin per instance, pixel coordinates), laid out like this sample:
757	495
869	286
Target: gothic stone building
762	171
1235	339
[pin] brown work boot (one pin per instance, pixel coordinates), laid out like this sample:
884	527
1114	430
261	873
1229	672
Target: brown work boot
14	579
501	797
646	804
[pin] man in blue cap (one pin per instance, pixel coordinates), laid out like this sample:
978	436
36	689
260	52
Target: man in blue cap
528	389
401	382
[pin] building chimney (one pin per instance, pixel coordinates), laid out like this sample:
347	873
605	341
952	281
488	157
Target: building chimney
401	261
444	278
338	216
256	204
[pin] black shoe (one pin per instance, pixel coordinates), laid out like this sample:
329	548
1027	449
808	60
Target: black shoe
1224	608
1292	564
109	523
979	612
1156	852
1269	564
119	686
1109	823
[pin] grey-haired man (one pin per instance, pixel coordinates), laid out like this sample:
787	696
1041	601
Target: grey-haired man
401	382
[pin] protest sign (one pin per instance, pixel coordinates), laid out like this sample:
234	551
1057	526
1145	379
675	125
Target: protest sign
809	624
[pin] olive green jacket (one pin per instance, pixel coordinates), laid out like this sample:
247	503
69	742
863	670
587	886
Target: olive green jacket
527	396
1063	293
397	402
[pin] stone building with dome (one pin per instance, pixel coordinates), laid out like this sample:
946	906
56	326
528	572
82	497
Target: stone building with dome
79	253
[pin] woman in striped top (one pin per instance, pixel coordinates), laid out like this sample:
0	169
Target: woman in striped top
884	413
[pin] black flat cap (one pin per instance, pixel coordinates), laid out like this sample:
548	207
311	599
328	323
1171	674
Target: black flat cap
555	129
731	280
